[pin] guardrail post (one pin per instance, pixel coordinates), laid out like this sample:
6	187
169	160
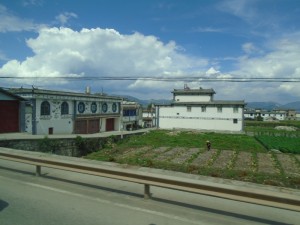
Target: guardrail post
147	194
38	171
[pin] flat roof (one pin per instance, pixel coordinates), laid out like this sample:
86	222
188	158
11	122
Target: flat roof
54	92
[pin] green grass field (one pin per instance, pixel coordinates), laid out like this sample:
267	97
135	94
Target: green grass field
159	138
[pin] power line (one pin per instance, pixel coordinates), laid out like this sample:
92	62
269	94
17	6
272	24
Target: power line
167	79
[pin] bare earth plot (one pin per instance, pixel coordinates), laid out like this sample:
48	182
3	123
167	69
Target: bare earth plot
204	158
131	152
185	156
197	159
289	164
266	164
154	152
224	159
244	162
169	154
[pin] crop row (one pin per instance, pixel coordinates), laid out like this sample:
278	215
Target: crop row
284	144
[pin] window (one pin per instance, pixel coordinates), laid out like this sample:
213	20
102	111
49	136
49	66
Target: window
203	108
64	108
235	121
114	107
104	107
94	107
235	109
45	108
81	107
219	109
129	112
189	109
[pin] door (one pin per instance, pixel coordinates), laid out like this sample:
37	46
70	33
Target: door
110	124
93	126
9	114
81	127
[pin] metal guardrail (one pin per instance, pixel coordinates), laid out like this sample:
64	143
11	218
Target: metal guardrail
244	194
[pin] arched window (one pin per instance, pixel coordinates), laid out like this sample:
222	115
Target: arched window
114	107
45	108
81	107
64	108
94	107
104	107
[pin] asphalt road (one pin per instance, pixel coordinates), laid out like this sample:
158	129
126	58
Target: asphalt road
60	197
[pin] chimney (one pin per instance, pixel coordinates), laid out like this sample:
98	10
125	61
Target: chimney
186	87
88	90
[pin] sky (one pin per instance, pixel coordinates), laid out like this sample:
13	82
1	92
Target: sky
243	49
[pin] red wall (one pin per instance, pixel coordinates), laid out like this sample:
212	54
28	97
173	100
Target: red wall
9	116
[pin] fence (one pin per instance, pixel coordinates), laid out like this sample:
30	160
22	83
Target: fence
244	194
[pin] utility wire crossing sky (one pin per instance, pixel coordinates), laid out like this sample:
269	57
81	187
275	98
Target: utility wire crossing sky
244	50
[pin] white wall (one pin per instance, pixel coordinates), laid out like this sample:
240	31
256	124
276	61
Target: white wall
178	117
192	98
61	124
102	124
117	123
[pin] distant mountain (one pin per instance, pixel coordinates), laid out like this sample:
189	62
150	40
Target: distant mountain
263	105
292	105
145	103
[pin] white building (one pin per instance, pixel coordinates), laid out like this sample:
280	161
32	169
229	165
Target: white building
197	109
132	115
149	117
265	115
58	112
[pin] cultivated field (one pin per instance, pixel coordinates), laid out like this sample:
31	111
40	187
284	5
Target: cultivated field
233	156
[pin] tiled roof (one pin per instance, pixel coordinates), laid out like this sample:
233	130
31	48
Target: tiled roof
12	95
194	91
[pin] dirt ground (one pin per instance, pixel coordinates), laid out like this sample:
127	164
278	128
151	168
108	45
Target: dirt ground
266	164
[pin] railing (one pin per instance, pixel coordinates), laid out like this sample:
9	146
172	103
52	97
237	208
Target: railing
244	194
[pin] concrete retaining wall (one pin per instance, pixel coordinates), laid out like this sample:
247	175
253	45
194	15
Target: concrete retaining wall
68	147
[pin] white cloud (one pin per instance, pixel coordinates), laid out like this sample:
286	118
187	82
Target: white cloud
63	52
10	22
212	71
281	61
33	2
63	18
250	48
239	8
207	30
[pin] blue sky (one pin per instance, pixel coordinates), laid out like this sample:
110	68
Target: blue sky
67	45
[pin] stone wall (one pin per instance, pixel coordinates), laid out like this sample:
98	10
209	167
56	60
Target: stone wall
68	147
